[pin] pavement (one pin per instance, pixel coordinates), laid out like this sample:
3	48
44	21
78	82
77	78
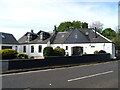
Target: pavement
103	75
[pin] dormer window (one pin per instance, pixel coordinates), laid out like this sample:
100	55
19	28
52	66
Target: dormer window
86	33
76	36
41	36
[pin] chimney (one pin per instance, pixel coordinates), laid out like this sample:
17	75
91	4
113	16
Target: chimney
32	31
95	32
55	29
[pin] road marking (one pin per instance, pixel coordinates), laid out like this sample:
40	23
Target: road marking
70	80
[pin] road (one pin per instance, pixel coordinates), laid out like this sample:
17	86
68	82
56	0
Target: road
103	75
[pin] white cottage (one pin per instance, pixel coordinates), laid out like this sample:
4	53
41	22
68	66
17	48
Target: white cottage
8	41
75	42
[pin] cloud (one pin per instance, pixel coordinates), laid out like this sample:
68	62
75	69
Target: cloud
22	15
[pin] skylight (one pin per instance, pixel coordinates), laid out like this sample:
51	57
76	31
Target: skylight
63	36
2	36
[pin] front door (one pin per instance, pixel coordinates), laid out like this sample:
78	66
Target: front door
77	51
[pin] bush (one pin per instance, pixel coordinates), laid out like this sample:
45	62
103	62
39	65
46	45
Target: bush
96	52
22	56
59	51
102	51
8	53
85	53
48	51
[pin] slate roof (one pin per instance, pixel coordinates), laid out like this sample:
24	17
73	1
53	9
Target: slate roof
71	37
7	38
24	39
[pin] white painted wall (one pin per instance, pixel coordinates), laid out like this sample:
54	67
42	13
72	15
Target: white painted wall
89	48
28	49
13	46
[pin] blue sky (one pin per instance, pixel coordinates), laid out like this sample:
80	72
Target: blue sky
20	16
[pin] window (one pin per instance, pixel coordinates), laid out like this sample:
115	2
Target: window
76	36
24	49
66	47
16	48
32	49
40	49
6	47
92	46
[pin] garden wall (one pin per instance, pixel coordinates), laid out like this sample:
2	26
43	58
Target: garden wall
52	61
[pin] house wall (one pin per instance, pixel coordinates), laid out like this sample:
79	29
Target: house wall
28	49
15	47
88	48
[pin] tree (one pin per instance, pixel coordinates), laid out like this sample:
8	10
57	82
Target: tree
109	33
84	25
71	25
112	35
64	26
98	25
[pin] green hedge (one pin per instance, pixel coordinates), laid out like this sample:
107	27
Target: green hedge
8	54
22	56
59	51
48	51
101	51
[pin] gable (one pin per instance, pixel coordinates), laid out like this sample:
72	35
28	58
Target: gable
77	37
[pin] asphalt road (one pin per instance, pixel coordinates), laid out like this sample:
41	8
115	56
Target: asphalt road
87	76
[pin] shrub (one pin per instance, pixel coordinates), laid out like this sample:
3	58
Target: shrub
85	53
102	51
96	52
22	56
48	51
59	51
8	54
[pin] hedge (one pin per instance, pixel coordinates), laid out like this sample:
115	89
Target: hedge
22	56
8	53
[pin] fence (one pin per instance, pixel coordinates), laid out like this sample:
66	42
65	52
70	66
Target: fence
52	61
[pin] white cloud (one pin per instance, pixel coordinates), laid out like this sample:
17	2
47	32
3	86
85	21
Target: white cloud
22	15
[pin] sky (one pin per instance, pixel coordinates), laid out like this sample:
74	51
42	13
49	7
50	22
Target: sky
20	16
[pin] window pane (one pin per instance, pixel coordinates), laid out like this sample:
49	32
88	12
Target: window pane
40	48
32	49
66	47
24	48
16	48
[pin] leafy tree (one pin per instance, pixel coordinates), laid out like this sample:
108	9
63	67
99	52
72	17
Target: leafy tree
98	25
109	33
71	25
84	25
64	26
76	24
112	35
